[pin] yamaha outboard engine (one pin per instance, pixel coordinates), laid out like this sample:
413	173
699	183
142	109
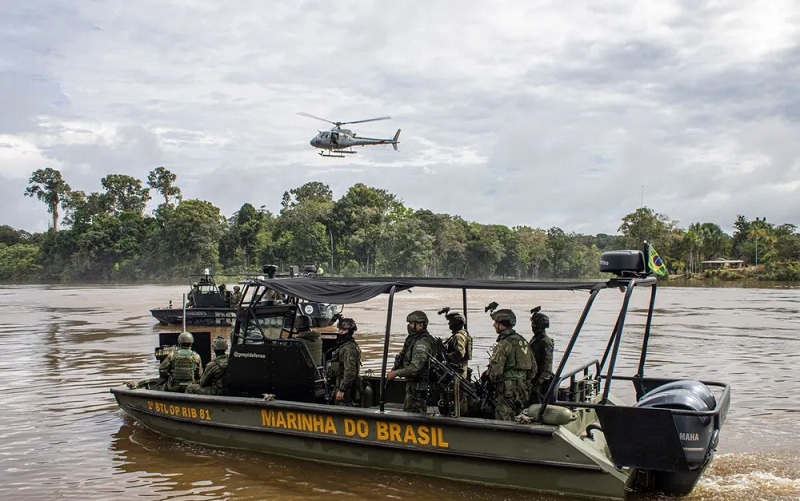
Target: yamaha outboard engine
697	434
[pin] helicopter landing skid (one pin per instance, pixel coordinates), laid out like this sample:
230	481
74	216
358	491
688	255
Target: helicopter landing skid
336	154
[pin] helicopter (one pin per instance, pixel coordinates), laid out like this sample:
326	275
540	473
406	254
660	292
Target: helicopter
337	142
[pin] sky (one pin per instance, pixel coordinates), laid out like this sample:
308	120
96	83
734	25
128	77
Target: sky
537	113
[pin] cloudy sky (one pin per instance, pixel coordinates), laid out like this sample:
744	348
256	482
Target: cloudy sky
537	113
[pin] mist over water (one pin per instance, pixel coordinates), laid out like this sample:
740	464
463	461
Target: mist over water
63	436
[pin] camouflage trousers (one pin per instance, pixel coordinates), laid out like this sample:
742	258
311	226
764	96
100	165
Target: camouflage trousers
512	396
199	390
416	397
352	397
538	391
176	386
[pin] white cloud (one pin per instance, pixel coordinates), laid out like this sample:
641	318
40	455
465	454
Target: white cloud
537	113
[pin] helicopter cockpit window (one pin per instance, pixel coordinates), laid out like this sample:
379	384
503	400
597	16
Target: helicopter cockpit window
325	135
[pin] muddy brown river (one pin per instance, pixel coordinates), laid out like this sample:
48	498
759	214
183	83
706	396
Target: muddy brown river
62	435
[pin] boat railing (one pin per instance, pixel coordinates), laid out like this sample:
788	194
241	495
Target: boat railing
584	385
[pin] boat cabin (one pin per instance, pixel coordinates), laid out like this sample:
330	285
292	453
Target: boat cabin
206	294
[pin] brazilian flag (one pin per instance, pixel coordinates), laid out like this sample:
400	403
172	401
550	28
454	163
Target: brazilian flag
657	265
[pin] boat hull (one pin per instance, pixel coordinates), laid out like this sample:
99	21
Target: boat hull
542	458
321	315
196	316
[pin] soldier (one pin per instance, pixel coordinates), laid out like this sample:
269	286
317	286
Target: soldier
236	298
344	364
458	347
542	347
211	381
309	338
458	351
412	362
225	294
190	298
181	367
511	367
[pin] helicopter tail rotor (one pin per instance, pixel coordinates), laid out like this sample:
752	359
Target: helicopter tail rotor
394	140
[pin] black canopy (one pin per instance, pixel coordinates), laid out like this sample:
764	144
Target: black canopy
356	290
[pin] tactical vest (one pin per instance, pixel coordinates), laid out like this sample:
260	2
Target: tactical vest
521	357
335	366
184	367
540	344
222	363
314	344
411	342
451	345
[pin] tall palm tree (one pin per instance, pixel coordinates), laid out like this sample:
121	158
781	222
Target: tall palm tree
763	233
692	241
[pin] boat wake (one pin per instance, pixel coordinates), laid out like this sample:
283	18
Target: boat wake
762	476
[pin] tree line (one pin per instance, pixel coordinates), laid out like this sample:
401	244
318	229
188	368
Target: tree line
107	235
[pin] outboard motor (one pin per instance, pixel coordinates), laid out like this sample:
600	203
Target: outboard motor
697	433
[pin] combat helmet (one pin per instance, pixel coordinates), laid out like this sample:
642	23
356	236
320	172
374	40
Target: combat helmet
219	344
302	323
417	316
347	323
185	338
505	315
455	320
539	321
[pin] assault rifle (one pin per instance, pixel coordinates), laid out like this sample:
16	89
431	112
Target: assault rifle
487	399
446	374
329	396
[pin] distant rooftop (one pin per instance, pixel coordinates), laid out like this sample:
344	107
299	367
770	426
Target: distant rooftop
721	263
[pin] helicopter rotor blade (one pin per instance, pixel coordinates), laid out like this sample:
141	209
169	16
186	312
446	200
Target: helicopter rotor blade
309	115
367	120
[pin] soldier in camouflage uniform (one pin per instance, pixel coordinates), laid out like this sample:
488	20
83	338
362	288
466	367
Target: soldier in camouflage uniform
190	297
542	347
311	339
412	362
458	351
458	347
225	294
344	364
511	367
211	380
182	366
236	298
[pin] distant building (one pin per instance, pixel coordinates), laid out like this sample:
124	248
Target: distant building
720	264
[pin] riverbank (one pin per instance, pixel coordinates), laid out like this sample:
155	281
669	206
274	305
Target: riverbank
780	272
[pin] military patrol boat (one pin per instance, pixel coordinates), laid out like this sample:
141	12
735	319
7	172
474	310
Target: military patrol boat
211	305
582	441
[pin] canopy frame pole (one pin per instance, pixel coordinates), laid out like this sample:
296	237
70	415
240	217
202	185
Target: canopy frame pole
464	306
386	347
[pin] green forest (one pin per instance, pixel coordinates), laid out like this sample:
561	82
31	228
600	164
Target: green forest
107	236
